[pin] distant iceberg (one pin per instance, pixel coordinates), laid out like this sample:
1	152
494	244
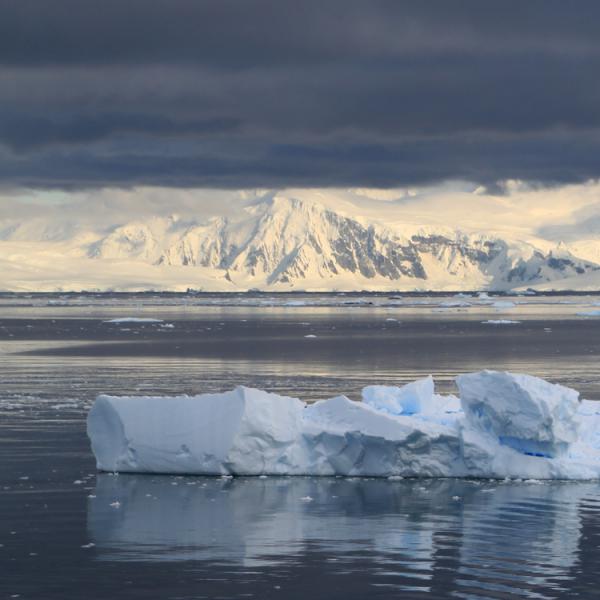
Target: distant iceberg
504	425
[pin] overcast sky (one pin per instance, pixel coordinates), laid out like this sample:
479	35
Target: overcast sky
239	94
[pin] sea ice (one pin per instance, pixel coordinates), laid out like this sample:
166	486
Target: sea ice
503	426
500	322
133	320
503	304
454	304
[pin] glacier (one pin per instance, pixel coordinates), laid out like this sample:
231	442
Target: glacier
502	425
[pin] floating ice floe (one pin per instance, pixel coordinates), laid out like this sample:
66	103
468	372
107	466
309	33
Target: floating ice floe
503	426
503	304
454	304
589	313
134	320
500	322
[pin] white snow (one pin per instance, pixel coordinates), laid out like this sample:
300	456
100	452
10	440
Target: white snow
510	426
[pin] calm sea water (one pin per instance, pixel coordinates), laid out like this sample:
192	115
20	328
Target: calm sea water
68	532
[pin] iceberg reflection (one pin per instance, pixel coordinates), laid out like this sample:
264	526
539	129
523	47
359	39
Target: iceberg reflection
256	520
490	535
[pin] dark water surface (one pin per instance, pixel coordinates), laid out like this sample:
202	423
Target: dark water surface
66	532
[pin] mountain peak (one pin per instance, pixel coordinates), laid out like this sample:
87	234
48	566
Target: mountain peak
294	240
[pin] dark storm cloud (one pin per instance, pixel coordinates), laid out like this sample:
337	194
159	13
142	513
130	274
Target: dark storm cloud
22	132
233	94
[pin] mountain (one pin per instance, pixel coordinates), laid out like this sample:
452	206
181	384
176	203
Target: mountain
281	241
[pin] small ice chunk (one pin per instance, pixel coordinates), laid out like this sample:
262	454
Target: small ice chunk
500	322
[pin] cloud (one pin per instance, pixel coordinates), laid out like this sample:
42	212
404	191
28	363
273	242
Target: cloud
236	94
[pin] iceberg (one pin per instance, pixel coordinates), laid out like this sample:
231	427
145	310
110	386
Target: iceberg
503	425
245	431
521	411
342	437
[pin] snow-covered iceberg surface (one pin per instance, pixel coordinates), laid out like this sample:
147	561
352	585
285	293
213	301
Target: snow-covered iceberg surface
503	425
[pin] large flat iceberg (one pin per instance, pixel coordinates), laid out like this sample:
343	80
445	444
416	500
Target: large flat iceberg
245	431
503	425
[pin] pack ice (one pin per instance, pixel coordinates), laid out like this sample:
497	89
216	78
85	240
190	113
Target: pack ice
504	425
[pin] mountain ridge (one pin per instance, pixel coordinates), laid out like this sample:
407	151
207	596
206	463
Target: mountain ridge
279	242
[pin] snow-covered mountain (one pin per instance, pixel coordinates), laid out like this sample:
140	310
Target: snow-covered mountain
283	241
